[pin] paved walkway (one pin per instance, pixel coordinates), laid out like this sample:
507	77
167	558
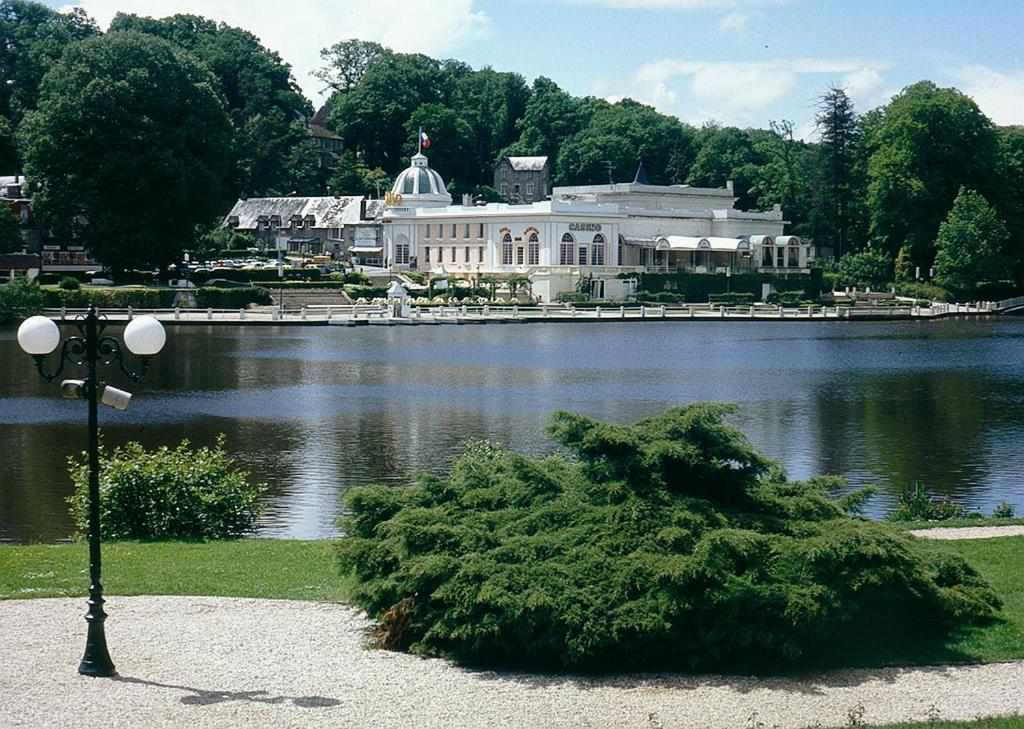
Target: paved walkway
227	662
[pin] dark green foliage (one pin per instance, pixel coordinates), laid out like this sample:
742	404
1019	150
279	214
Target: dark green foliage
215	298
70	283
785	298
929	142
110	298
272	154
916	504
150	142
11	240
733	298
971	245
660	297
20	298
169	493
667	542
268	276
355	291
921	290
699	287
867	268
1003	511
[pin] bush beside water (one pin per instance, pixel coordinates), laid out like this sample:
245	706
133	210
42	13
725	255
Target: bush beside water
20	298
670	542
169	493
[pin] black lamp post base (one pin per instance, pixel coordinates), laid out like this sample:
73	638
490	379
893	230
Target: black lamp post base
96	661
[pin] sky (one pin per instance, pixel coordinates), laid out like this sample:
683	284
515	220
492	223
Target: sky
735	62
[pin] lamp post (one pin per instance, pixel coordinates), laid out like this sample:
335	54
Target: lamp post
143	337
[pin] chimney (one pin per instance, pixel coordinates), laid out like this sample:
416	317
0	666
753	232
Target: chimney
728	185
362	208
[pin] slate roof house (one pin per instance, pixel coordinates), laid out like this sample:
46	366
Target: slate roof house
328	144
307	225
523	179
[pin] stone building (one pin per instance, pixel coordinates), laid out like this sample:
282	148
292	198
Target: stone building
523	179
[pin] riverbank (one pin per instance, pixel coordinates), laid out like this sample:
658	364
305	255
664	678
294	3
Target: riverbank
379	315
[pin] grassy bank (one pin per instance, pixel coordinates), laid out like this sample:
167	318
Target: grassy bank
1008	722
305	570
267	568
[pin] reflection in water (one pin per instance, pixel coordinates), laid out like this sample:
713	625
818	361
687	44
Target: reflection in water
313	411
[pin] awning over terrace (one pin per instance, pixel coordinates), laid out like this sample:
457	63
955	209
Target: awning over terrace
690	243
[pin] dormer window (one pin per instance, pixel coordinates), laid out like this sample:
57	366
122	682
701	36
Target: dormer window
232	221
263	222
296	221
275	221
309	221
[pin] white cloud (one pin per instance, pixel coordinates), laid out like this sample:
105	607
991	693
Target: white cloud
733	22
1000	95
297	30
739	92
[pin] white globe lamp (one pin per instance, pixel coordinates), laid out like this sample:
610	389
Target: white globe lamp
38	335
144	336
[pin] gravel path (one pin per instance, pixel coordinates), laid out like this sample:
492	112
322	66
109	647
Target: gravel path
969	532
228	662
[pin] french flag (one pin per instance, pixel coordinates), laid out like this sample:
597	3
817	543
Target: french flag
424	140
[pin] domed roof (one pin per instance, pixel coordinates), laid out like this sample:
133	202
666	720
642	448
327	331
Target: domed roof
420	186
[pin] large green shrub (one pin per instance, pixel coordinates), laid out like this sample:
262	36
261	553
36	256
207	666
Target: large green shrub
921	290
20	298
667	542
866	269
169	493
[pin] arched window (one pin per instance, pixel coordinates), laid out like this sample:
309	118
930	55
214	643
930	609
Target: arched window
567	250
597	251
533	253
621	251
506	250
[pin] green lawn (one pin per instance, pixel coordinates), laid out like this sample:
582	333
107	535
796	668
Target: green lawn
304	570
269	568
1009	722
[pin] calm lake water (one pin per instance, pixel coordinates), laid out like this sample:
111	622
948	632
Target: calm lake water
314	411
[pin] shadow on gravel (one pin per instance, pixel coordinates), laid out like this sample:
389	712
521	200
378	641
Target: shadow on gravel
201	697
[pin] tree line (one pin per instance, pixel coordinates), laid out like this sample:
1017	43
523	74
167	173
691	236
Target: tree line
98	121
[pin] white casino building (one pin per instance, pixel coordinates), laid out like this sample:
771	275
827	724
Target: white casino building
586	235
593	231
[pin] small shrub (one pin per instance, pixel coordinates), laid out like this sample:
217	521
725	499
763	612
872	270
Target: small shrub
660	297
1003	511
354	277
669	542
70	283
916	504
179	493
920	290
20	298
573	297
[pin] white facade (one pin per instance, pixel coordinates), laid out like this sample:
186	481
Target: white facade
594	231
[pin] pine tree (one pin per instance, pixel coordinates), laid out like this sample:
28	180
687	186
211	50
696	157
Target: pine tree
837	124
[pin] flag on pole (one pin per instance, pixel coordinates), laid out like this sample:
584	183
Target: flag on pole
424	140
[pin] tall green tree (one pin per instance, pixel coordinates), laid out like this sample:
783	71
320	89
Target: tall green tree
726	153
622	135
9	161
347	61
551	117
836	123
351	177
11	240
373	115
1010	201
131	144
32	38
491	103
971	245
451	136
930	142
272	153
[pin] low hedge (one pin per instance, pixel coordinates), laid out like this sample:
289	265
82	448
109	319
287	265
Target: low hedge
213	298
110	298
735	298
660	297
289	285
698	287
366	292
256	275
921	290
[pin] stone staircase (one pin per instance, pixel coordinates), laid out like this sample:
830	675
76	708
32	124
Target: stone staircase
297	298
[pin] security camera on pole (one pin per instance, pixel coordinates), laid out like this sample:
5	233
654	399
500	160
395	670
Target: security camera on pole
143	337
